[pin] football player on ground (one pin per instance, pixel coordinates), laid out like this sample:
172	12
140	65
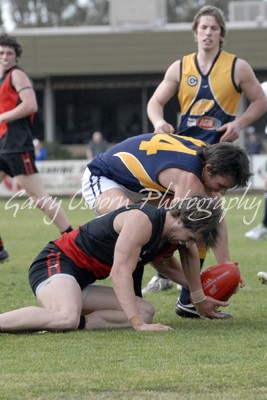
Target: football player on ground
114	245
164	167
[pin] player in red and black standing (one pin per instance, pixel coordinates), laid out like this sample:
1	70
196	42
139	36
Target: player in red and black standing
18	105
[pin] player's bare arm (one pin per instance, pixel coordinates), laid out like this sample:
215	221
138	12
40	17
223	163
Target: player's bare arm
206	306
171	268
246	80
181	183
28	105
126	255
221	251
161	96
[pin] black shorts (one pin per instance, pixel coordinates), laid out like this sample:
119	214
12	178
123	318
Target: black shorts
51	262
14	164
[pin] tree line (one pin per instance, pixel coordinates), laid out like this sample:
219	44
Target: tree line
53	13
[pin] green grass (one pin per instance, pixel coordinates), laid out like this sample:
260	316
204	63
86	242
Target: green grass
198	360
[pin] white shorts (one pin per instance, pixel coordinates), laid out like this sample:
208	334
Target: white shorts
48	280
93	186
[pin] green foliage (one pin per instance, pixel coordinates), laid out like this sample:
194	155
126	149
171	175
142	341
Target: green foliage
41	13
55	152
184	11
199	360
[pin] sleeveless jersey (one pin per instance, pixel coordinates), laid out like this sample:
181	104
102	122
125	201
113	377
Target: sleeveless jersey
136	162
91	246
16	135
207	101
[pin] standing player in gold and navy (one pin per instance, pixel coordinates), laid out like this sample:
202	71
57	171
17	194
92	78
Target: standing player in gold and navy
208	85
17	108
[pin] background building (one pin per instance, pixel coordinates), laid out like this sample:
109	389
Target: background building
101	77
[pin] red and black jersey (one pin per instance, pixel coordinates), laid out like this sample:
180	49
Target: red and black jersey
16	135
91	246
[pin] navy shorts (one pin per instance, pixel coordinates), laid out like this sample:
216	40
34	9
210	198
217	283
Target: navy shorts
14	164
52	262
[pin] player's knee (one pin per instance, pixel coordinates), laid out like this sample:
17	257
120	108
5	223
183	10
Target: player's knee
147	312
69	322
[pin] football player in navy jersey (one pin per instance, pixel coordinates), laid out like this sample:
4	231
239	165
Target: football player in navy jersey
160	167
208	85
114	245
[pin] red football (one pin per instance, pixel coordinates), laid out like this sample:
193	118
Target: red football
221	281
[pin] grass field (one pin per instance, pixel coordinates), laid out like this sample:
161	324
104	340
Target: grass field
199	360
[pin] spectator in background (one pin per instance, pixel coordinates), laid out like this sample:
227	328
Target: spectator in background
39	150
253	142
96	145
260	231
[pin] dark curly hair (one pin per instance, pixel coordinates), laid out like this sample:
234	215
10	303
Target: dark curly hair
11	41
227	159
201	215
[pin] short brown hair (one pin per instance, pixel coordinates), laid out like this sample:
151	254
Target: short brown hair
227	159
201	215
216	13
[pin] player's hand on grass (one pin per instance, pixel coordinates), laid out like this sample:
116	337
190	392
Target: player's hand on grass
207	308
242	283
152	327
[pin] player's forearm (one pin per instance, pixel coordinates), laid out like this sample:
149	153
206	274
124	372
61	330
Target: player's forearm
254	111
191	267
155	112
172	269
21	111
221	251
192	273
123	287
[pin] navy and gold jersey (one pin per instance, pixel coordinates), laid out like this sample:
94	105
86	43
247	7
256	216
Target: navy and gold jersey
16	135
136	162
207	101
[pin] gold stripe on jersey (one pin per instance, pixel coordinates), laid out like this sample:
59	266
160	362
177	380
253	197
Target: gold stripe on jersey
202	252
138	171
220	82
169	142
202	106
187	93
